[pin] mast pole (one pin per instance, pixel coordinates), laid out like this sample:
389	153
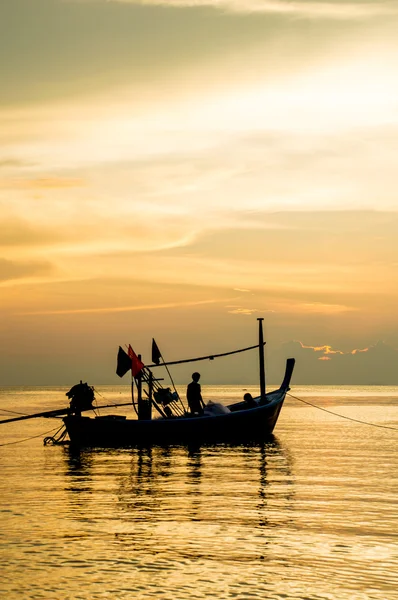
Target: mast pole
150	395
139	391
132	395
261	357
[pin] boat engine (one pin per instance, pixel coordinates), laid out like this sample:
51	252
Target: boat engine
81	398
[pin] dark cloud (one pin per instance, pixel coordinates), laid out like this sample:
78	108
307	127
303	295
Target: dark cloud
64	48
67	46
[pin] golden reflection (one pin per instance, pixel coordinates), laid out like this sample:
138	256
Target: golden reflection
156	496
78	467
193	480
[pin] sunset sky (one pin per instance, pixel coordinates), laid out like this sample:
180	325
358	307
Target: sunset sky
176	169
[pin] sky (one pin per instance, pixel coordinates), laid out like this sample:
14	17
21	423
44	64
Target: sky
176	169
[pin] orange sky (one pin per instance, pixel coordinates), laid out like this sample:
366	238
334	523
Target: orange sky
184	167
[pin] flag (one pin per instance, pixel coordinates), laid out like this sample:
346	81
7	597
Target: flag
136	364
156	356
123	363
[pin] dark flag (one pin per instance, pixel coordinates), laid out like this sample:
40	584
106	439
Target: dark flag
156	356
136	364
123	363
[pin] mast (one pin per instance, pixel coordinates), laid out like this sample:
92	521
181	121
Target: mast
261	356
140	401
132	395
150	396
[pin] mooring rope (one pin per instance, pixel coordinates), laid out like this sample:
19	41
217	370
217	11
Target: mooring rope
342	416
12	412
53	440
102	396
32	437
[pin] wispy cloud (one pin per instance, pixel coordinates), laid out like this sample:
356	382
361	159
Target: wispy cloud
14	270
118	309
319	307
375	364
41	183
300	8
19	232
327	350
243	311
6	163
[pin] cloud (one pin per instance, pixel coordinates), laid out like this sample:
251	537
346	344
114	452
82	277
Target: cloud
11	270
300	8
6	163
325	240
374	365
307	266
329	350
117	309
242	311
41	183
19	232
320	308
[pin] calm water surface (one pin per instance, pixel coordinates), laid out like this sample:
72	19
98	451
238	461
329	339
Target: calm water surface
310	515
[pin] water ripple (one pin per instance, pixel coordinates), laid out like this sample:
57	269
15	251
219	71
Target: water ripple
308	516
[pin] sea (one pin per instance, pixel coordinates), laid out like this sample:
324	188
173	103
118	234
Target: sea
309	514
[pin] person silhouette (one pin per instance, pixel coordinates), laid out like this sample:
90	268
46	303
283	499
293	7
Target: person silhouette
249	400
194	395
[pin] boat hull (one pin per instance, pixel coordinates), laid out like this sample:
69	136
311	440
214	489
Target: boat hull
237	426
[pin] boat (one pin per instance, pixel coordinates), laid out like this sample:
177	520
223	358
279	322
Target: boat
252	419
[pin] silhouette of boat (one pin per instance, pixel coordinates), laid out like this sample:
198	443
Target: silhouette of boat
240	422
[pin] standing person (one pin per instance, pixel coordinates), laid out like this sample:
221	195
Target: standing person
194	395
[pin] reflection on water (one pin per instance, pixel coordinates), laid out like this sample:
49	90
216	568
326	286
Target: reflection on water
189	483
185	503
309	515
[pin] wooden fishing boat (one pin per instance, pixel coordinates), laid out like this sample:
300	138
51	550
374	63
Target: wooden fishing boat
239	425
240	422
250	420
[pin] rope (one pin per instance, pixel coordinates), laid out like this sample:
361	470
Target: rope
342	416
105	399
30	438
13	412
99	394
109	403
54	441
97	408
